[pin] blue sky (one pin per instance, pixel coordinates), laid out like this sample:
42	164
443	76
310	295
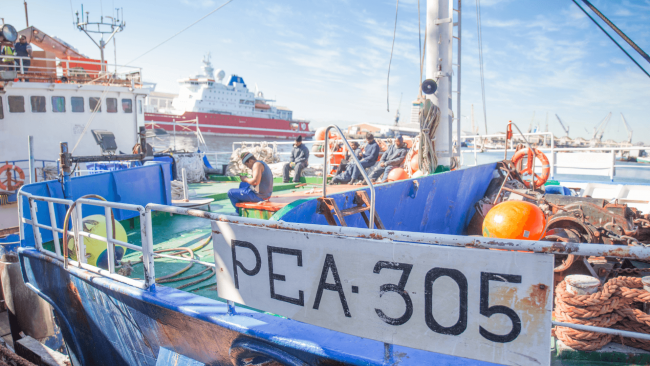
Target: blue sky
327	60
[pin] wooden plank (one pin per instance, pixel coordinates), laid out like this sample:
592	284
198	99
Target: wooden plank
354	210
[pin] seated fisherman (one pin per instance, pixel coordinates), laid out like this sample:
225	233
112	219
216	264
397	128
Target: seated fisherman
347	159
298	162
392	158
369	158
255	189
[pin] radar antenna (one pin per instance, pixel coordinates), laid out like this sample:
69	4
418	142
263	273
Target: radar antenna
115	25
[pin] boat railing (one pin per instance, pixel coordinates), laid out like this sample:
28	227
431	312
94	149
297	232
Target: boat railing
371	221
639	252
77	232
599	166
79	71
23	164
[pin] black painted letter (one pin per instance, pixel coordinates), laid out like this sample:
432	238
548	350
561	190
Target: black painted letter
398	289
322	285
273	276
461	280
235	263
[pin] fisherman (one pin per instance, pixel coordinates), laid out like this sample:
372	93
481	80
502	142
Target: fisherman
298	162
392	158
23	49
368	159
347	159
255	189
7	62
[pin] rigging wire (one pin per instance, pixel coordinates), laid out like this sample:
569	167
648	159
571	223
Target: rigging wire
480	56
610	37
181	31
72	15
420	46
391	59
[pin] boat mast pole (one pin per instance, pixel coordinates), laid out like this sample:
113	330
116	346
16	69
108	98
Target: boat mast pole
438	67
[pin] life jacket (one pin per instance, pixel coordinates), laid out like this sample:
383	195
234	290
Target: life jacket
8	51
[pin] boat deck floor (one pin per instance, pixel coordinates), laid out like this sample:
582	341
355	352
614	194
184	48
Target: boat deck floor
180	231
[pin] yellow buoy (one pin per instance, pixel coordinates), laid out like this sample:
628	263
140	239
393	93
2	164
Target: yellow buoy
96	250
515	220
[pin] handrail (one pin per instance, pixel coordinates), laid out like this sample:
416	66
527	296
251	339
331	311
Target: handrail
371	222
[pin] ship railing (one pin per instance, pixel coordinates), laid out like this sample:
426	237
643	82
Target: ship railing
213	156
603	164
84	71
23	164
76	231
146	230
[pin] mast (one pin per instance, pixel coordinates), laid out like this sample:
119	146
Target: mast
439	68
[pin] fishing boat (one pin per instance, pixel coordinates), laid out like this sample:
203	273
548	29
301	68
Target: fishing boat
400	273
208	105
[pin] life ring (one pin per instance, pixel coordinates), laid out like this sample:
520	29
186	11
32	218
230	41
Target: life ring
7	181
546	167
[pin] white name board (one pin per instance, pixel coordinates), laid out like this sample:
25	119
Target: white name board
481	304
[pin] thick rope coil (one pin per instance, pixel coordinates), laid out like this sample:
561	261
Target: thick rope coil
614	305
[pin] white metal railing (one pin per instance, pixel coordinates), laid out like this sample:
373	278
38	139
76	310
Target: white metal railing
82	71
79	234
552	150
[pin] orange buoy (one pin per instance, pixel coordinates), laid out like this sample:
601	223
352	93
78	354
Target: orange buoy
414	163
417	174
397	174
408	141
320	134
515	220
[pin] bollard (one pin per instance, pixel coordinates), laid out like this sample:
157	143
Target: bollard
581	284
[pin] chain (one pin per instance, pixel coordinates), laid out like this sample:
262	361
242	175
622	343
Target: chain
631	270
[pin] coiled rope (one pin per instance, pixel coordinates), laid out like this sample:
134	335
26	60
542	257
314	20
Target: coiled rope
615	305
429	121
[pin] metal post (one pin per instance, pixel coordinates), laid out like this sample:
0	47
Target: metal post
64	161
439	68
458	116
81	247
612	170
174	135
32	168
553	167
110	247
475	151
147	250
185	193
55	235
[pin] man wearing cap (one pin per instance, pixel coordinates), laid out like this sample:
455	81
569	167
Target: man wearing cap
255	189
392	158
297	162
368	159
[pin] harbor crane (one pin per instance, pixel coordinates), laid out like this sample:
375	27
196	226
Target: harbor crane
600	130
627	127
566	129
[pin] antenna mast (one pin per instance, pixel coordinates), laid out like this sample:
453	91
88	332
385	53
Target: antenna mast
116	25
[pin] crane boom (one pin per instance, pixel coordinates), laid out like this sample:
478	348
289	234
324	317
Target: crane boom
627	127
566	129
601	130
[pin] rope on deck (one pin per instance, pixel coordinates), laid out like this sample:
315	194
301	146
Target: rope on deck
617	305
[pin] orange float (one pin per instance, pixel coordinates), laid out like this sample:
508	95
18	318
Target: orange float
320	134
546	167
397	174
417	174
515	220
414	163
7	181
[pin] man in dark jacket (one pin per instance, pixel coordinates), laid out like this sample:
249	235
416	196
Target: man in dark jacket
347	159
368	159
392	158
298	162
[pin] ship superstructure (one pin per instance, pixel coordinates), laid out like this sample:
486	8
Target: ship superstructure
225	109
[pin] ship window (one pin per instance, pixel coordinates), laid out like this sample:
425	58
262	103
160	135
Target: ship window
77	104
95	104
127	105
58	104
38	104
111	105
2	112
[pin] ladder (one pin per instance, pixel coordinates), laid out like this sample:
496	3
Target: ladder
327	205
